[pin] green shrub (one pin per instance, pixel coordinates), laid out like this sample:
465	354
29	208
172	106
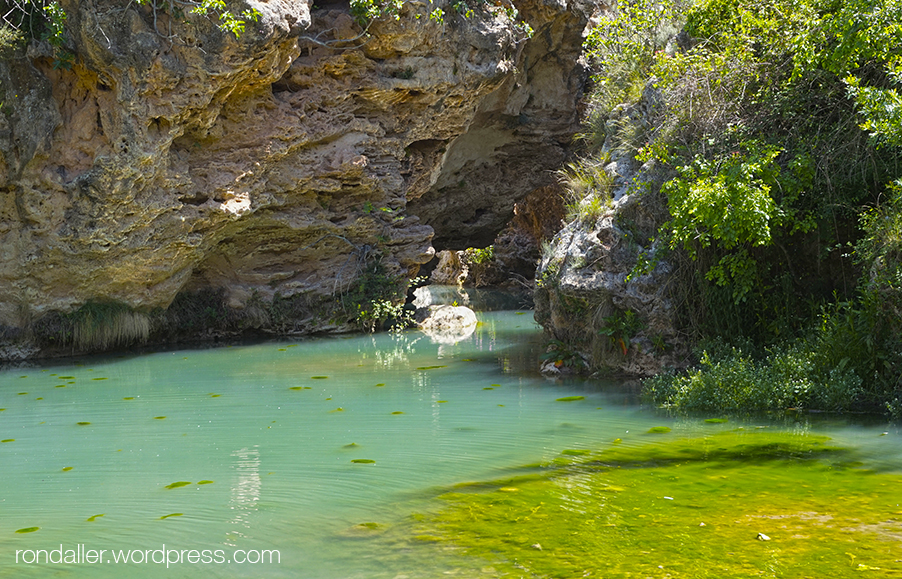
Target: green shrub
365	11
736	382
623	49
376	298
381	313
479	256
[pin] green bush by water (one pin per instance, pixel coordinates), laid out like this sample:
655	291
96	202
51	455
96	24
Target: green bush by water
731	380
773	142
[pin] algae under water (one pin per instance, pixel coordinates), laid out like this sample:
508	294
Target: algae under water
734	504
366	493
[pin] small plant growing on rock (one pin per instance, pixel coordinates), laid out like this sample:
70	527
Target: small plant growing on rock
365	11
380	312
621	327
587	187
478	256
563	356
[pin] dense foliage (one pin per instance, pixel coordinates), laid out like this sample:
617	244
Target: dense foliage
778	143
24	20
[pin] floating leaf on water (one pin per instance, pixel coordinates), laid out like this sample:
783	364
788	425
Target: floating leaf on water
521	313
319	377
329	398
204	482
496	385
171	515
60	386
716	420
215	395
8	440
351	445
129	398
291	346
64	377
488	388
659	429
2	409
571	398
368	525
397	412
28	530
339	409
617	440
509	489
430	367
22	393
39	398
82	423
23	376
292	388
363	461
501	405
441	401
93	518
104	378
283	350
575	452
467	360
67	468
159	418
380	385
175	485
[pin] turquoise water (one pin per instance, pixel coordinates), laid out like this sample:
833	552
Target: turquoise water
272	430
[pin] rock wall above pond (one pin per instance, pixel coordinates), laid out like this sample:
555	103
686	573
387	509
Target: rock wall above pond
602	290
277	168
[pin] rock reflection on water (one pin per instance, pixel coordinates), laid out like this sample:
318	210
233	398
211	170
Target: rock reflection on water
245	491
449	335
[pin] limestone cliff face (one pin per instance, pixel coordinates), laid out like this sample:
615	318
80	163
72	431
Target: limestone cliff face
603	311
282	164
519	135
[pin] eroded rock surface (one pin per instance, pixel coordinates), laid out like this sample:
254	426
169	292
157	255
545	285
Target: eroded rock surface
602	291
275	169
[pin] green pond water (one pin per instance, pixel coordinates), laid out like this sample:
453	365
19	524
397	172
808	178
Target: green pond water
394	456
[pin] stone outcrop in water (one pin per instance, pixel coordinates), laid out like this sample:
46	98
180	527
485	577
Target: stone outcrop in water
266	181
446	324
601	310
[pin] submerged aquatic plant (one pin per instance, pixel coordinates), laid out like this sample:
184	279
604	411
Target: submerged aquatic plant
694	507
175	485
